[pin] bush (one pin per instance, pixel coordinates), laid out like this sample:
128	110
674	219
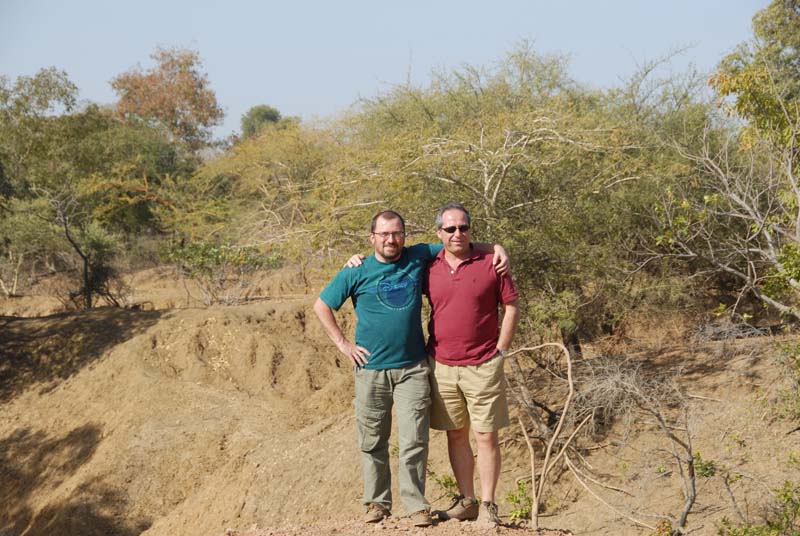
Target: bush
781	519
91	273
521	501
223	271
704	468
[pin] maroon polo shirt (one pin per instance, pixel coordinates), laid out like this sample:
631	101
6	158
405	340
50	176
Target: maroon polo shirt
463	327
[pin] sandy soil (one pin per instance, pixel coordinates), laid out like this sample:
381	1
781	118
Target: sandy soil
398	526
186	420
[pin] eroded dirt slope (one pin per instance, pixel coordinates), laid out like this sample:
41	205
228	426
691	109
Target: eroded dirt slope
199	420
118	419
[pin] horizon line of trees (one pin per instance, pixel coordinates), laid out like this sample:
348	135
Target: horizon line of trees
612	202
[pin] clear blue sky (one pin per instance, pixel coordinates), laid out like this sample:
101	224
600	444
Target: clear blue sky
314	59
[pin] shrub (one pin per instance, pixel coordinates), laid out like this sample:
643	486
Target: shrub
782	518
223	271
521	502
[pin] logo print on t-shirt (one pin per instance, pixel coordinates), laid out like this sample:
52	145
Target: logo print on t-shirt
398	293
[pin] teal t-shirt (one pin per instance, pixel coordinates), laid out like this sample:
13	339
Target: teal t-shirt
388	301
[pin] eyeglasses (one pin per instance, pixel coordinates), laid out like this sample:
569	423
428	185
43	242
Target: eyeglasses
452	229
397	235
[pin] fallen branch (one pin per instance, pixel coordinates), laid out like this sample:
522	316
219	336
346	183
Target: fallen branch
598	483
596	496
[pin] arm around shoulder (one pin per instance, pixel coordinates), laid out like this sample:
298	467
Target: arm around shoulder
500	259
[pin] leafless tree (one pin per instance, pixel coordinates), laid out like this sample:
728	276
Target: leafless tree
739	214
551	439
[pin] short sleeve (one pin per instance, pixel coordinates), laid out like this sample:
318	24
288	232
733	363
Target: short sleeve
508	290
339	289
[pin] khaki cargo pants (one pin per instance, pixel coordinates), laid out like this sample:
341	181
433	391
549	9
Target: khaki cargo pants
408	389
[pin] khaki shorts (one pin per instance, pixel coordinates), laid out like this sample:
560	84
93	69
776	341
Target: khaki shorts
469	394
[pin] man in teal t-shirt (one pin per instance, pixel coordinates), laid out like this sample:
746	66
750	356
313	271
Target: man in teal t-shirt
389	358
386	297
390	365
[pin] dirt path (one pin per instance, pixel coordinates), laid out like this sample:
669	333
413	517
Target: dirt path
401	526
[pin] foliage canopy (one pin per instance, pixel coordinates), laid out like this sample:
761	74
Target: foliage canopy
175	93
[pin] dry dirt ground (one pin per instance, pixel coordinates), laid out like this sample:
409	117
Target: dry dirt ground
180	419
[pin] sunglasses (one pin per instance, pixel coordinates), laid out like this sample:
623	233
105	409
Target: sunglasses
452	229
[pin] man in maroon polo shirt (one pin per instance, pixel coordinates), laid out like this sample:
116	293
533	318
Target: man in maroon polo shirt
467	352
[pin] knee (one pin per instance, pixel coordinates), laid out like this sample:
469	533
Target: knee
460	435
487	440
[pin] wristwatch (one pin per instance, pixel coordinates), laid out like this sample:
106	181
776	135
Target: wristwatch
503	353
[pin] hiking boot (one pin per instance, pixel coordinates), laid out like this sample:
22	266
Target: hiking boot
462	509
421	519
487	515
375	513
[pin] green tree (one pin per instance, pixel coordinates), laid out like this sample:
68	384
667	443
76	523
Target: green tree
29	112
94	246
110	170
28	109
256	117
28	244
738	215
559	173
223	271
762	74
265	190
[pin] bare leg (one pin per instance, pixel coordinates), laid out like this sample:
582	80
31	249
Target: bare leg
488	463
462	460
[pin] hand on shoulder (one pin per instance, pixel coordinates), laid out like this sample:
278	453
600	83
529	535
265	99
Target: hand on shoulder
355	261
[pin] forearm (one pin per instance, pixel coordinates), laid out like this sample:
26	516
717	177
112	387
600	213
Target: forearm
356	354
509	325
328	321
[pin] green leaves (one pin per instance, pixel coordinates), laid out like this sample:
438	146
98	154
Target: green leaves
223	271
205	259
781	520
28	120
704	468
521	501
257	117
761	75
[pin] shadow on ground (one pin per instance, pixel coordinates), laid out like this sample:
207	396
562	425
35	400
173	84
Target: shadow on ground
32	461
48	349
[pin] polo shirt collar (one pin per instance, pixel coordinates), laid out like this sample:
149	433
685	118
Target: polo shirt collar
474	254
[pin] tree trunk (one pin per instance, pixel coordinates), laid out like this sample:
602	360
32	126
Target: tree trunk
570	339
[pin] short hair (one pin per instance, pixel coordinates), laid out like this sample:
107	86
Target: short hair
452	206
386	215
